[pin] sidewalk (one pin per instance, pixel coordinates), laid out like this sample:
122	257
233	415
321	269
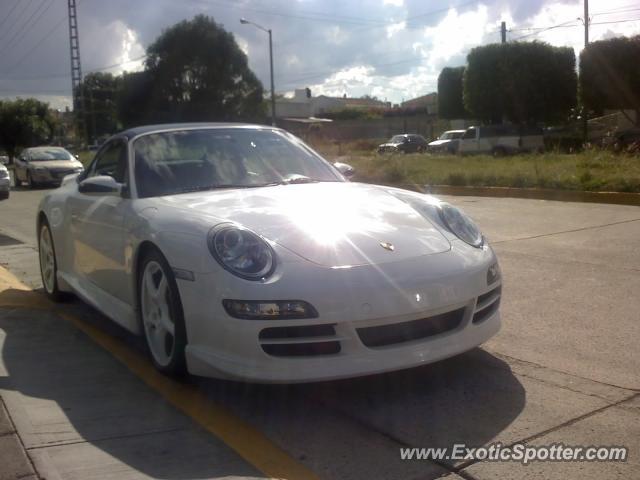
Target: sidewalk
13	456
71	411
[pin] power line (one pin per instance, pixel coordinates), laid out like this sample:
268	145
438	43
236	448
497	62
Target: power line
28	24
545	29
616	21
68	75
9	14
41	41
311	17
18	17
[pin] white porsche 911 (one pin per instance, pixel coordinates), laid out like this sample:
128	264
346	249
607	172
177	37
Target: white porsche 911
238	252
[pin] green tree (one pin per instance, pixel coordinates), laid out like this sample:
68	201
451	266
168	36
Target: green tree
610	76
522	82
100	91
450	94
133	102
199	73
23	123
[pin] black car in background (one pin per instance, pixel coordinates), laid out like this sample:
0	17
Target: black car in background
405	143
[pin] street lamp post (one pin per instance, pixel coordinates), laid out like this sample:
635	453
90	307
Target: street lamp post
244	21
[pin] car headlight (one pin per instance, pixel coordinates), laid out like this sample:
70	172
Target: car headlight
241	252
461	225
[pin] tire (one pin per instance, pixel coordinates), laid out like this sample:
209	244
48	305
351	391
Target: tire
49	263
160	311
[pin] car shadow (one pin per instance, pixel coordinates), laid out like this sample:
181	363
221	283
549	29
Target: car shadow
62	378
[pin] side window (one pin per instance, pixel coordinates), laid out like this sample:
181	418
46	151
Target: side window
470	134
111	161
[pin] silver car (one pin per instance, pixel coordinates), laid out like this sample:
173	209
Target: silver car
5	182
45	165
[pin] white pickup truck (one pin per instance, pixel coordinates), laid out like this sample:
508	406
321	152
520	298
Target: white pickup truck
501	140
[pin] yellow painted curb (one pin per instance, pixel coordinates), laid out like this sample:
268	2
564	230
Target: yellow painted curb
248	442
14	293
616	198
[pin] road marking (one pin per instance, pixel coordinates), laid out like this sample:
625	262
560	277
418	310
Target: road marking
248	442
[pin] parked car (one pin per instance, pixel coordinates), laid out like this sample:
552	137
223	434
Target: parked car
238	252
5	182
405	143
44	165
4	160
623	140
501	140
446	143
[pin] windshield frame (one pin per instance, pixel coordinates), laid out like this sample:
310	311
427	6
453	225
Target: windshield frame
338	177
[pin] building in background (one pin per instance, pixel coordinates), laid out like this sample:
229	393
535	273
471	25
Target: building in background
304	105
427	103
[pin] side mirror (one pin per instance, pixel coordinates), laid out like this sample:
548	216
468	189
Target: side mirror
100	185
345	169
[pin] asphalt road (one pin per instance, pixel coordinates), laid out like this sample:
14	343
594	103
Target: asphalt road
563	368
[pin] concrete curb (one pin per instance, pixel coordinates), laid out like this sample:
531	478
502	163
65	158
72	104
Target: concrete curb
618	198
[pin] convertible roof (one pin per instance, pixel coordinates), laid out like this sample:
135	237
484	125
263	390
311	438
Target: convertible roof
132	132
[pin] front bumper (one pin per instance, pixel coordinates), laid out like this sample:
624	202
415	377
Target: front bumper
49	176
380	299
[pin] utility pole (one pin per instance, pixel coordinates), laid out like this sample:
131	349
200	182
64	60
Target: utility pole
503	32
586	23
585	119
244	21
76	70
273	92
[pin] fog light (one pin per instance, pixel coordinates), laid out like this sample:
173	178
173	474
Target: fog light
493	274
269	309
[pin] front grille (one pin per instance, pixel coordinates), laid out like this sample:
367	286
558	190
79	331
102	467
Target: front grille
302	349
297	332
486	305
300	341
396	333
61	173
481	315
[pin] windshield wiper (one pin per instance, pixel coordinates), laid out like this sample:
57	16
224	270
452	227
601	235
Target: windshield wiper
296	180
202	188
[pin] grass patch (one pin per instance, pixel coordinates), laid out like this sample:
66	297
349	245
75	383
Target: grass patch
592	170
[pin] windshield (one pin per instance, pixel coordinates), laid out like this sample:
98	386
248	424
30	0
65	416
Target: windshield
397	139
446	136
46	154
191	160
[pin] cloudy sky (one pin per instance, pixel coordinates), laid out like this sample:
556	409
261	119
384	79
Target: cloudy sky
393	49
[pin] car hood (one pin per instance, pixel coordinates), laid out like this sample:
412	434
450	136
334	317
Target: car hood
331	224
56	164
389	144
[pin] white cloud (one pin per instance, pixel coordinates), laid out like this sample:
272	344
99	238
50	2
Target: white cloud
455	34
242	43
336	35
395	28
395	3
